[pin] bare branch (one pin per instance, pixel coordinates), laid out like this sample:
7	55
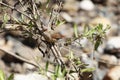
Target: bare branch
20	58
47	39
16	10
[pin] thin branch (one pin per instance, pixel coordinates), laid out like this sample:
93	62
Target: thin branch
58	54
11	7
55	55
54	49
20	58
24	60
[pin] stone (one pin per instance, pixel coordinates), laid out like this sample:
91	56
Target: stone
30	76
71	6
42	1
87	5
103	2
1	54
113	74
2	65
66	16
109	60
21	49
16	67
100	20
113	42
65	30
28	66
85	59
113	46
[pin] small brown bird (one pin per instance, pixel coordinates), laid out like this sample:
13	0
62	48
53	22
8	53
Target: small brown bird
53	37
57	36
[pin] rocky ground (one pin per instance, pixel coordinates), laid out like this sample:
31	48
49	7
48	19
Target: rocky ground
80	12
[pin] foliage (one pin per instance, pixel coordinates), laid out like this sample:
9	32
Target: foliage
3	77
33	23
96	34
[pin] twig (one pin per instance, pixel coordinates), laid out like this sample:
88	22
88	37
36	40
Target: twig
16	10
58	54
23	59
55	55
20	58
54	49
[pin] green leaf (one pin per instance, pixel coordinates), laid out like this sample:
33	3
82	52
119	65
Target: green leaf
15	19
64	72
5	17
99	27
86	29
47	3
87	70
11	77
71	56
2	75
22	17
30	25
53	77
58	23
72	71
89	33
75	30
47	64
58	72
107	28
97	43
77	61
36	16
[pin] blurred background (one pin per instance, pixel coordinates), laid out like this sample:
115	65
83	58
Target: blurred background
81	13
